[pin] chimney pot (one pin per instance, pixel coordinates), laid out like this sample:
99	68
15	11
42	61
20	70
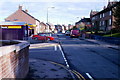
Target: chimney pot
20	7
26	10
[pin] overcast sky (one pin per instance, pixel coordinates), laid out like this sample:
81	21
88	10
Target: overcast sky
65	11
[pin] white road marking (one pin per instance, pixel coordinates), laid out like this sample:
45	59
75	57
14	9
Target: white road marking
89	76
63	56
55	47
66	61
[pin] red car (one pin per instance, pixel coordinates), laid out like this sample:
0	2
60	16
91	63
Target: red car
42	36
75	33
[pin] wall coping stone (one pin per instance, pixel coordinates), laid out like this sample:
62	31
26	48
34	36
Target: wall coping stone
15	47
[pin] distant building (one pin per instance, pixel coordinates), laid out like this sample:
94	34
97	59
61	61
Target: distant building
43	27
84	23
50	27
23	16
103	20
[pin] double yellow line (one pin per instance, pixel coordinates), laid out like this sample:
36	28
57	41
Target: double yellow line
79	76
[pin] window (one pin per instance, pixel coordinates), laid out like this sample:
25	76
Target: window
100	23
110	12
100	16
110	21
103	22
103	15
93	18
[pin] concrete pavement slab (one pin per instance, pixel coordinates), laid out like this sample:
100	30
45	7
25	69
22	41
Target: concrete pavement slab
41	69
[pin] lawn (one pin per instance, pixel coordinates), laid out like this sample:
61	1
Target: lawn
113	35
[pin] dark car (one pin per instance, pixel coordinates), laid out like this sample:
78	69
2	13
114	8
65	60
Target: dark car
67	33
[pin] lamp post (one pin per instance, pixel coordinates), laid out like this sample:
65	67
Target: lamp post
47	12
48	17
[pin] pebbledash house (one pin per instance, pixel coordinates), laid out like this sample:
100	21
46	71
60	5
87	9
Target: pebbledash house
23	16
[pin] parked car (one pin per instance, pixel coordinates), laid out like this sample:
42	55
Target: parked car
40	37
48	35
75	33
67	33
43	36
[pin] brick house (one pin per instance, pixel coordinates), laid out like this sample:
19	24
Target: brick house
103	20
23	16
84	23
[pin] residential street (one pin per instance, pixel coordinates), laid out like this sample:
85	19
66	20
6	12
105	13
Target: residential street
60	39
99	61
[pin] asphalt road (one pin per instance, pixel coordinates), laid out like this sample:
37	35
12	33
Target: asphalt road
91	59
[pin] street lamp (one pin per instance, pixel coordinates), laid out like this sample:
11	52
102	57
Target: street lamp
47	12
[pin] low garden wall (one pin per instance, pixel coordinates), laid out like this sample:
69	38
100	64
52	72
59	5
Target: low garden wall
14	59
112	40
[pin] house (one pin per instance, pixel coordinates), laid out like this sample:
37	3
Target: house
43	27
103	20
84	23
23	16
51	27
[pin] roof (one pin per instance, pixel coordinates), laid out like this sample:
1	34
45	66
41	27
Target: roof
30	15
106	9
85	20
93	12
12	23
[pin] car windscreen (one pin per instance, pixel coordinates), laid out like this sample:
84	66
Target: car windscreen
41	34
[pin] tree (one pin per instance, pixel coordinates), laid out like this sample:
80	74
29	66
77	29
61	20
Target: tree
116	14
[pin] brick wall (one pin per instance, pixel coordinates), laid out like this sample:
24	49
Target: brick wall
14	62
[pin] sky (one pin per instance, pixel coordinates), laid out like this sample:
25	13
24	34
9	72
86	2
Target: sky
64	11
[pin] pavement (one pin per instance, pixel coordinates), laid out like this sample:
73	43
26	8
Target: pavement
43	70
102	43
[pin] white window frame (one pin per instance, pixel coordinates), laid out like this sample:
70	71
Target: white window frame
110	12
110	21
100	23
100	16
103	22
103	15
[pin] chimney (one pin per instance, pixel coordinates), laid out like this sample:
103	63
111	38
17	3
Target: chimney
26	10
20	7
104	7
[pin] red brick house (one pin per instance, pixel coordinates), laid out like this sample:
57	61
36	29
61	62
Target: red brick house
23	16
84	23
103	20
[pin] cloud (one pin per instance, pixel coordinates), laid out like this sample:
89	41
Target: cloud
77	9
